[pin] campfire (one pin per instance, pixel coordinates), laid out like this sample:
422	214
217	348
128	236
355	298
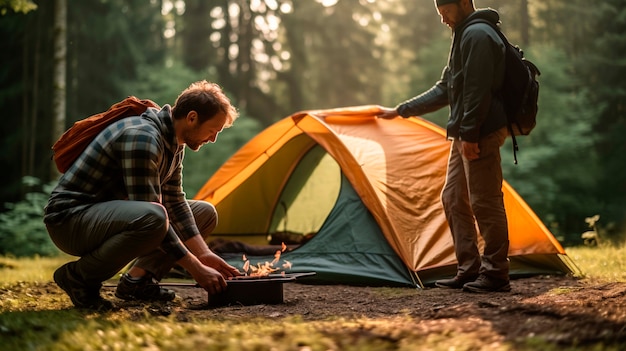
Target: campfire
261	283
267	268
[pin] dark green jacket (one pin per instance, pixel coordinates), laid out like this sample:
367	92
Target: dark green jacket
474	73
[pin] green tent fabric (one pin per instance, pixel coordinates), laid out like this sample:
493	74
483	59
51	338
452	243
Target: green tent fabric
349	248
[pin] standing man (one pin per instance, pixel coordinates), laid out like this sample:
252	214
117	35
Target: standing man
123	199
477	129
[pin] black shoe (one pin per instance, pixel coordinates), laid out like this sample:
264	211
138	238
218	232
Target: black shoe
145	288
82	295
486	284
456	282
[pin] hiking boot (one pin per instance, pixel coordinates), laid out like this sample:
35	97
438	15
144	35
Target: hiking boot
456	282
145	288
81	294
486	284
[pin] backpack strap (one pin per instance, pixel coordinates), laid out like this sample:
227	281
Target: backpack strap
514	140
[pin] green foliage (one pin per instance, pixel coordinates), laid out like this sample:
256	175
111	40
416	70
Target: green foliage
23	6
603	68
162	82
22	232
430	61
108	42
560	146
279	57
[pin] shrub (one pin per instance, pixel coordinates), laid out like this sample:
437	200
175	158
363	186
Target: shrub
22	231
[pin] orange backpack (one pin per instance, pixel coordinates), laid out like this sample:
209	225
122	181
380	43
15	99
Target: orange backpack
74	141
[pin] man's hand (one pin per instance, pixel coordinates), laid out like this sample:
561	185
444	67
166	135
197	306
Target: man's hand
199	248
387	113
470	150
214	261
208	278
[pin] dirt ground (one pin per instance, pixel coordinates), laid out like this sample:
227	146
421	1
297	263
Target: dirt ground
562	310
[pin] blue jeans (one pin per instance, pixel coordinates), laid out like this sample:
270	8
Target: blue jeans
109	235
472	195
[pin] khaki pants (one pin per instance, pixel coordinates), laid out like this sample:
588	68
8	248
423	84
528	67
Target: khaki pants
109	235
473	195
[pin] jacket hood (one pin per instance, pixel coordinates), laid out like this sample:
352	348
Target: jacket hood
487	14
164	121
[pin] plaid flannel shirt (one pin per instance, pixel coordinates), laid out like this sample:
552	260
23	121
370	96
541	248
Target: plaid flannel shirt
136	159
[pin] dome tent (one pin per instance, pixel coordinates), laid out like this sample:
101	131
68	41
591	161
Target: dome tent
363	194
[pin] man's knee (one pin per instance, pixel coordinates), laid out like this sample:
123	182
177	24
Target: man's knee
205	215
488	207
154	222
454	201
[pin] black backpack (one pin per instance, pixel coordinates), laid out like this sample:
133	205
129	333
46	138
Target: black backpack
520	89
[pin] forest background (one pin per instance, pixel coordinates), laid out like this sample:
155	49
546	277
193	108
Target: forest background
65	60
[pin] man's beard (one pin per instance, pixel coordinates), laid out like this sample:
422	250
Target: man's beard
194	147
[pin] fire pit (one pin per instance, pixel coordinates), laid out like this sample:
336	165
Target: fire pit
251	290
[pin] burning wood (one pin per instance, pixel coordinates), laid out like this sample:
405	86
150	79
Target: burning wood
267	268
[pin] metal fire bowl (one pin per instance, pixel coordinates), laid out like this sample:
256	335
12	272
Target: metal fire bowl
248	291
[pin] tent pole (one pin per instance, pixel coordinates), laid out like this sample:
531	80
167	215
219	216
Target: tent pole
416	279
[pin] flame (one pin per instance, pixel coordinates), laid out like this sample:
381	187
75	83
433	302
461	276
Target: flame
276	258
261	270
246	266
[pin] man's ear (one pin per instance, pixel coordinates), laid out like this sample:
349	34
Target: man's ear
192	116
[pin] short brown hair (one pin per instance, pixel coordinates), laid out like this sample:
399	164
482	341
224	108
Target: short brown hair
207	99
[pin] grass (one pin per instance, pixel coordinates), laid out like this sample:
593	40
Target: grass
47	322
604	263
33	269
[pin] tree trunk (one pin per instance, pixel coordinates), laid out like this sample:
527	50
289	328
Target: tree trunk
525	23
195	33
59	85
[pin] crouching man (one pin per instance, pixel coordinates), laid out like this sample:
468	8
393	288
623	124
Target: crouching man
123	200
